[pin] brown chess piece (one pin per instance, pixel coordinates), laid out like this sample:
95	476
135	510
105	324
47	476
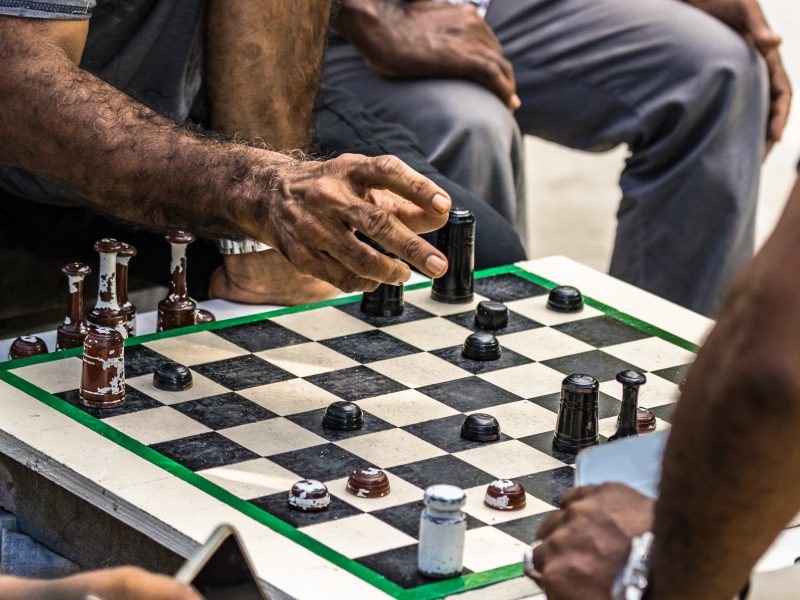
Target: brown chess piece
177	309
26	345
106	312
72	331
204	316
124	256
103	375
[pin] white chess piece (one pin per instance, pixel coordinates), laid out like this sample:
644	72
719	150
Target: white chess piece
442	527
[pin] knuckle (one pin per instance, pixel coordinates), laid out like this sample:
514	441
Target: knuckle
377	222
387	164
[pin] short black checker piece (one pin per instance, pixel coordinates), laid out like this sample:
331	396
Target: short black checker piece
397	415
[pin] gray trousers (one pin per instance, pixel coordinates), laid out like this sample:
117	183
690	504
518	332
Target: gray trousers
682	90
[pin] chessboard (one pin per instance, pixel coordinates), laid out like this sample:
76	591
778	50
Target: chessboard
251	424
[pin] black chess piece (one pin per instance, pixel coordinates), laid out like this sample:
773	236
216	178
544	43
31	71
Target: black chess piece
343	416
385	301
172	377
481	345
491	315
627	422
480	427
456	240
577	423
565	298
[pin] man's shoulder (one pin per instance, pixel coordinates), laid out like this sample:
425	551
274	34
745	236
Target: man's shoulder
48	9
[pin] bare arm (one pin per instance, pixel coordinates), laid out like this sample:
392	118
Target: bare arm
61	123
729	483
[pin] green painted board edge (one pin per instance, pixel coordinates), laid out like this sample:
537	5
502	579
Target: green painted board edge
427	592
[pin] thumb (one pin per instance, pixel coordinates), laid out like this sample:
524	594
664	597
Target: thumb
763	36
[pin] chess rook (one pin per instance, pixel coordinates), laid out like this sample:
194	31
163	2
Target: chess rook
577	422
456	240
103	374
26	345
385	301
177	309
106	311
627	421
72	331
124	255
310	496
442	528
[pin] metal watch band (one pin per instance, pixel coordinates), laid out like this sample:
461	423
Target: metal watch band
244	246
632	581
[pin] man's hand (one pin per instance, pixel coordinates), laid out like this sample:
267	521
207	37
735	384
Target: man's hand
585	545
428	39
315	208
124	583
746	17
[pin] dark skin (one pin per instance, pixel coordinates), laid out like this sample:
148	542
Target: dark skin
431	39
143	168
735	428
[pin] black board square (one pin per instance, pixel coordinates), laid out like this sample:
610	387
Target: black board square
324	463
674	374
507	287
356	383
525	529
445	433
134	402
596	363
399	566
370	346
508	358
469	394
549	486
442	469
312	421
278	505
243	372
406	518
260	335
141	360
410	313
516	322
602	331
544	443
224	410
204	451
607	406
664	412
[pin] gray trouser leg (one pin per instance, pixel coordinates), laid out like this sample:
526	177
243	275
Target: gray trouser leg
686	94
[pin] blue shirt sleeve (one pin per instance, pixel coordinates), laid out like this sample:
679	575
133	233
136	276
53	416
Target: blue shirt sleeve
48	9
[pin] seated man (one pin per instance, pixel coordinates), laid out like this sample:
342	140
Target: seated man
729	482
678	85
91	146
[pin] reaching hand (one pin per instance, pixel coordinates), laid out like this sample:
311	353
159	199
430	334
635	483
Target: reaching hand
432	39
315	207
746	17
585	544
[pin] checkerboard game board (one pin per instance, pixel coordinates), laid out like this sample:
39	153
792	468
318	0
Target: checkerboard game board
251	425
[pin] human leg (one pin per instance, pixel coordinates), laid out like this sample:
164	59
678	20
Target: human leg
344	125
463	129
686	94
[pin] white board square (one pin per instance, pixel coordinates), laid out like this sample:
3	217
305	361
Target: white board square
418	370
390	448
430	334
54	376
422	299
252	478
358	536
521	419
543	343
322	323
651	353
303	360
289	397
406	408
273	436
528	381
536	308
196	348
156	425
202	387
506	460
487	548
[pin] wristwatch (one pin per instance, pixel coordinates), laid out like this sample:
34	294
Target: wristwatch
243	246
633	579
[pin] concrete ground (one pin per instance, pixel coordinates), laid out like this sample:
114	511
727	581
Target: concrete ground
564	182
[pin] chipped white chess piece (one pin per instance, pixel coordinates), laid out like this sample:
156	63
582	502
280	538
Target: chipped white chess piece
442	528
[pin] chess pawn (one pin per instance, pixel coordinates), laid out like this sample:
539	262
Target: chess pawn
442	527
177	309
72	331
124	256
106	311
25	346
103	374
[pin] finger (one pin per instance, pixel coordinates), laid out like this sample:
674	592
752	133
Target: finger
412	216
780	97
393	174
551	524
331	270
368	263
486	71
383	227
578	493
762	34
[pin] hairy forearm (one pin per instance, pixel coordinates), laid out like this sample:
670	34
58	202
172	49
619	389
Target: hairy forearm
263	67
728	486
63	124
